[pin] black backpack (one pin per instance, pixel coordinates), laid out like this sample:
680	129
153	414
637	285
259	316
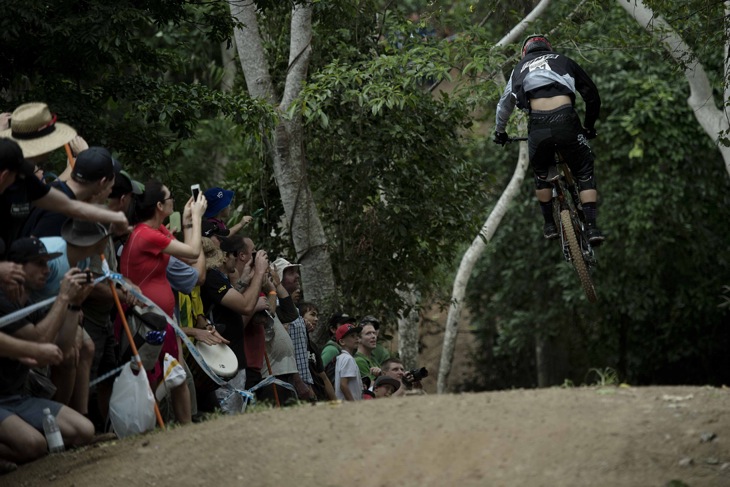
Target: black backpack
330	368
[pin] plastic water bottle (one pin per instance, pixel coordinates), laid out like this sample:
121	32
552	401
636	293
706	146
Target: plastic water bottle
269	328
52	432
149	351
269	332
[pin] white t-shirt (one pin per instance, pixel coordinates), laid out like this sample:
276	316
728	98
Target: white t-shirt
346	367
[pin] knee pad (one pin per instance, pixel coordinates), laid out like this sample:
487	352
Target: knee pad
586	182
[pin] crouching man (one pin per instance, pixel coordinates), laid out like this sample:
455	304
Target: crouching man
21	427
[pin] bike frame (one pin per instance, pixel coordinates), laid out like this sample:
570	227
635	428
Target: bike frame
568	214
567	197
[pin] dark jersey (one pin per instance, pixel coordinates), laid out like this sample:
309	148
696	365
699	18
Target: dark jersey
228	322
47	223
544	74
15	205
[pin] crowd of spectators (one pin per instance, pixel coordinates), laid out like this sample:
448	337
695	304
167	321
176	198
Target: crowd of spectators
64	343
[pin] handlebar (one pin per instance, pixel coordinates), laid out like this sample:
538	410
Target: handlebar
516	139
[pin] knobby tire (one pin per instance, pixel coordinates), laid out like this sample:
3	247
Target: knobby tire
577	257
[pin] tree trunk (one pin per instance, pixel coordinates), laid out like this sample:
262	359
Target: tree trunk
468	261
228	61
408	329
303	221
287	145
541	359
478	245
714	121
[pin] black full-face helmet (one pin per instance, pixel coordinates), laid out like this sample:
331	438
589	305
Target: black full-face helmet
536	42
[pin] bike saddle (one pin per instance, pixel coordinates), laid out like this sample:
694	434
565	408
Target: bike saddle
553	174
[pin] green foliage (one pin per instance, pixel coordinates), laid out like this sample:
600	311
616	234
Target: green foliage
603	377
388	166
126	75
664	204
400	180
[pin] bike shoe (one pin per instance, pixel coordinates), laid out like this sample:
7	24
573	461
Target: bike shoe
550	231
595	236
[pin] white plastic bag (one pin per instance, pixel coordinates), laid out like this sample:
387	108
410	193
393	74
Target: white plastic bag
229	396
132	405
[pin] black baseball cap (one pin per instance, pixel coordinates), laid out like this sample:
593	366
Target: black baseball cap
11	158
94	164
31	248
124	184
370	320
340	318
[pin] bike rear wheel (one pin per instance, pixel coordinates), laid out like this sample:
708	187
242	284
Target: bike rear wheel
576	256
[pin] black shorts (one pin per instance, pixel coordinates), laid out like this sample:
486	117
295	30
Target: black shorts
560	130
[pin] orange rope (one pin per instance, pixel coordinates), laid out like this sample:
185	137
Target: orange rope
69	154
268	366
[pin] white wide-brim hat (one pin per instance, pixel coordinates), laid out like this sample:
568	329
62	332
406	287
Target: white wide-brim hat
282	264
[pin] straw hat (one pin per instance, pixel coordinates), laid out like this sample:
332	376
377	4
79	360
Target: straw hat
35	129
214	257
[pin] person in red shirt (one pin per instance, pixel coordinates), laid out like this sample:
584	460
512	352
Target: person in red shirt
144	262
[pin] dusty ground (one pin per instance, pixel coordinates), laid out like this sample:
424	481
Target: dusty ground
587	436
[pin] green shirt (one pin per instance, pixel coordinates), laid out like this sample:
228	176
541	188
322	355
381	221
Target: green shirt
380	353
330	351
364	363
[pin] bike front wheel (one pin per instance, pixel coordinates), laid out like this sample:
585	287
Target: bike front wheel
576	257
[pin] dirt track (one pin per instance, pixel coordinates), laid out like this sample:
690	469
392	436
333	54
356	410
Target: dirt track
587	436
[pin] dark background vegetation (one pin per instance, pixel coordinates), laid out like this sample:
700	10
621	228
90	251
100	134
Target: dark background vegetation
404	178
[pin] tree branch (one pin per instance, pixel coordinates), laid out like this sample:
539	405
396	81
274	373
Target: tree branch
251	52
300	51
714	121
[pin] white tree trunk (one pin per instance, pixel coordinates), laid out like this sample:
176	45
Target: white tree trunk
471	256
228	60
714	121
475	250
408	329
287	146
251	52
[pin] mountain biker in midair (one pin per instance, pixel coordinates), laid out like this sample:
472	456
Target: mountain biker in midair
544	84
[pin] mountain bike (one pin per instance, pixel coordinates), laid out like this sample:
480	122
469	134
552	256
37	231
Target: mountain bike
568	214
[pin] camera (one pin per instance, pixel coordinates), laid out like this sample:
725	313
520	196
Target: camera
415	375
89	276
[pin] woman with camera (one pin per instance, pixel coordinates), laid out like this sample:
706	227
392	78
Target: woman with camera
144	262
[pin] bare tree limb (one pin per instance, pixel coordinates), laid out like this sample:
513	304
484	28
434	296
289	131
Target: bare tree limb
300	51
478	245
469	260
251	52
714	121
